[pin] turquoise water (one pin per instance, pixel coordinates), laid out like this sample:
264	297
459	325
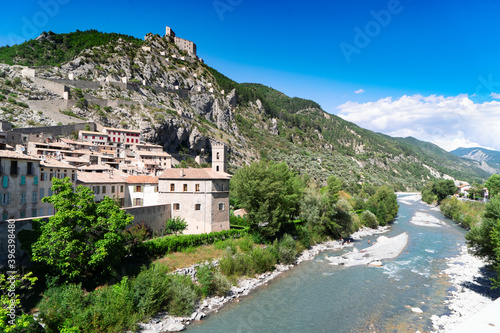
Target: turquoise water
318	297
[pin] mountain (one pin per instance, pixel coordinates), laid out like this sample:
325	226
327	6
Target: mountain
178	101
486	157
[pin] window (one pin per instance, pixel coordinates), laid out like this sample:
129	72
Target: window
121	188
33	212
5	198
138	202
13	167
51	175
217	168
49	211
138	188
104	190
5	216
40	212
35	180
30	168
177	206
96	189
172	187
185	187
217	155
34	197
23	180
42	193
197	207
112	188
5	181
197	187
22	214
221	206
156	189
43	176
50	191
23	197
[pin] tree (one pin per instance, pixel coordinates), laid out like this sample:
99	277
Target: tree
175	225
493	185
384	204
484	239
443	188
270	193
84	238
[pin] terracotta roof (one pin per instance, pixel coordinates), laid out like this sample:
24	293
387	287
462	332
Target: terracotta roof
142	180
16	155
106	177
205	173
73	142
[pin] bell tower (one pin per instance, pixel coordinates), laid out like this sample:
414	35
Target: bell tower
219	157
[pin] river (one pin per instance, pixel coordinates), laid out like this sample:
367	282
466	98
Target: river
316	296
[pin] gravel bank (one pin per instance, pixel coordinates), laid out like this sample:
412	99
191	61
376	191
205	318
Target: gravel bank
470	278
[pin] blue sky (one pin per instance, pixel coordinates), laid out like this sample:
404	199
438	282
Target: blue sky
353	57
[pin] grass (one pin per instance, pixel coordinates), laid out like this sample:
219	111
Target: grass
190	257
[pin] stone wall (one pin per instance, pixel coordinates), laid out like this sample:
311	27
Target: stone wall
62	130
54	87
152	216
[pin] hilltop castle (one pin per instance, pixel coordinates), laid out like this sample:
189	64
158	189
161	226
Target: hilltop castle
183	44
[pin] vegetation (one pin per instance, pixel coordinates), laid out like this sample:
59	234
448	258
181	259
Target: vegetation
484	239
56	49
175	225
493	185
270	193
438	190
465	213
83	239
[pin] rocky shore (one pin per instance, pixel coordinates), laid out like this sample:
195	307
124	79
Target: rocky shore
163	322
469	276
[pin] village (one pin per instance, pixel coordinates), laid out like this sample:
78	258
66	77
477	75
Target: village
143	179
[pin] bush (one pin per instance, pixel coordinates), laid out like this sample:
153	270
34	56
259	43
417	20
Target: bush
245	244
287	249
212	282
149	291
369	219
264	259
182	296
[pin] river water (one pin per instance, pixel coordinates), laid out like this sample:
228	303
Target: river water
318	297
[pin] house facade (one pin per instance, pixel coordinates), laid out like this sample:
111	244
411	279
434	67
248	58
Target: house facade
141	191
200	196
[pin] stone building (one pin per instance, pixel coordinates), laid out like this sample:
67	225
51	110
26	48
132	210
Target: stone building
183	44
52	168
105	184
19	188
200	196
141	191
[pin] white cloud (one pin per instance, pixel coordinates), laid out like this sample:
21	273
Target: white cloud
449	122
359	91
495	95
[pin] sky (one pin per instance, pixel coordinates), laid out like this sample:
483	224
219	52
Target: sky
422	68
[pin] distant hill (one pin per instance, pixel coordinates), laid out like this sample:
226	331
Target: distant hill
491	157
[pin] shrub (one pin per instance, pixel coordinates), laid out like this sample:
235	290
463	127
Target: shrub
287	249
369	219
221	285
264	259
150	291
212	282
182	296
245	244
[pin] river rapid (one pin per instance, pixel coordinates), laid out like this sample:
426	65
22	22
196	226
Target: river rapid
316	296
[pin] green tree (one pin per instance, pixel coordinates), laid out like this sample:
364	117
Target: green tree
270	193
493	185
443	188
84	238
484	239
175	225
384	204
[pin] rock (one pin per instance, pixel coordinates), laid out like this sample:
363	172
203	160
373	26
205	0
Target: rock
175	327
417	310
376	263
199	316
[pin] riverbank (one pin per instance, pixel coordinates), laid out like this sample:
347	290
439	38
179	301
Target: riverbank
166	323
469	277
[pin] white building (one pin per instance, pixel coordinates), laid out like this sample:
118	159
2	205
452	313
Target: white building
141	191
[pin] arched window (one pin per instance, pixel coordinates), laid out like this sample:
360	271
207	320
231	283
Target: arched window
216	168
217	155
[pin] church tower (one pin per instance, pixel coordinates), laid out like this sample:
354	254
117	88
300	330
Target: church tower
219	157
